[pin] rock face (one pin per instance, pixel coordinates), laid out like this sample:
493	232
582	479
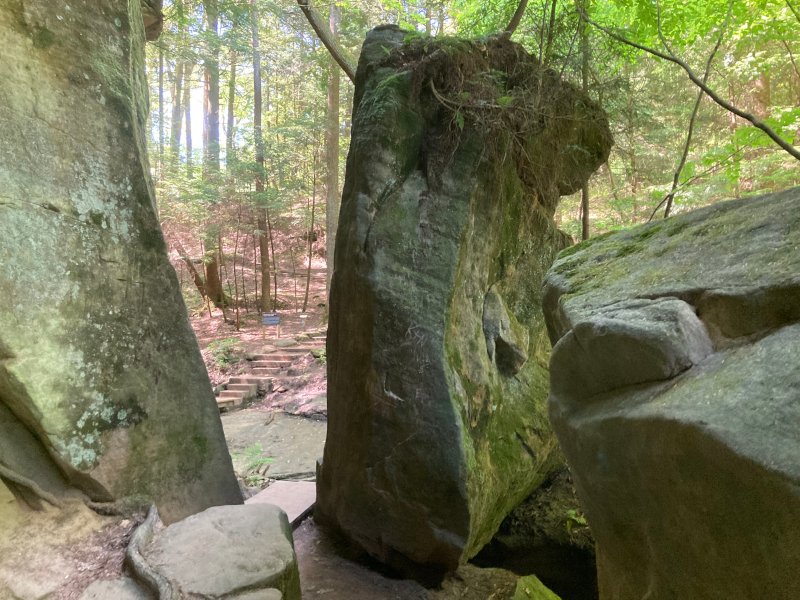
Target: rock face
228	552
101	380
675	398
437	353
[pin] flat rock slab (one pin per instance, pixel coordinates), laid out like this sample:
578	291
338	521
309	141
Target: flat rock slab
228	550
295	498
294	443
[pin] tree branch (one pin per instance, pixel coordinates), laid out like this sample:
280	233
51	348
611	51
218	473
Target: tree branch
791	58
755	121
690	132
793	9
324	35
516	19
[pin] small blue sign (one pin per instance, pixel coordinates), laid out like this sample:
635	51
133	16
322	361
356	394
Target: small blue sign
271	319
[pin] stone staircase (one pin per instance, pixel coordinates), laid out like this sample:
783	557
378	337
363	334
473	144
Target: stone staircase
240	389
268	369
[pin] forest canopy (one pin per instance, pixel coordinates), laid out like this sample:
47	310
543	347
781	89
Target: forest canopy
251	115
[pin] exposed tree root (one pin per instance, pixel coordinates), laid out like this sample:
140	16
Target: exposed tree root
141	569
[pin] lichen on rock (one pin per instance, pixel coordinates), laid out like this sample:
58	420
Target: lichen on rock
97	358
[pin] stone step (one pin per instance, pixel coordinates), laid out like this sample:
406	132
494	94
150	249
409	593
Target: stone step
265	364
226	403
266	372
248	389
296	498
248	379
235	394
263	382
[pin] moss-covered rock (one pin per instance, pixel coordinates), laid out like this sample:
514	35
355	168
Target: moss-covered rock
97	359
675	398
437	351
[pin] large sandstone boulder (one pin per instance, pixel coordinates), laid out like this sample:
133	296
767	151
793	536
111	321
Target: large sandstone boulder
437	372
233	552
102	385
675	395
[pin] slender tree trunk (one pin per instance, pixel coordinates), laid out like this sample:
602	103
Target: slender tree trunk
160	111
274	260
196	277
211	93
177	113
187	107
230	154
220	265
763	96
584	6
263	246
311	231
235	279
517	18
327	37
263	252
551	32
428	25
211	146
255	270
332	158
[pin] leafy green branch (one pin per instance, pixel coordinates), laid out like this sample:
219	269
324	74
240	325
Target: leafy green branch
670	56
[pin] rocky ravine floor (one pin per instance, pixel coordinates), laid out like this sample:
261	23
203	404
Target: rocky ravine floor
277	437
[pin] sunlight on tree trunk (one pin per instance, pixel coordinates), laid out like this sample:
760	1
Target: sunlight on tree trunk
261	219
211	150
332	157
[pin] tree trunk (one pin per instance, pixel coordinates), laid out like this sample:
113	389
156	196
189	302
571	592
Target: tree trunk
230	154
310	231
211	94
235	280
160	111
584	7
211	146
762	94
332	157
196	277
187	107
327	37
263	247
177	113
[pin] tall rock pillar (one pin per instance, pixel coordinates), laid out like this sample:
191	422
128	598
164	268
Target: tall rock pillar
100	373
437	373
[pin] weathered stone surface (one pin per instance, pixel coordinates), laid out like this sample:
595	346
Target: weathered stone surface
675	398
116	589
97	359
228	551
437	353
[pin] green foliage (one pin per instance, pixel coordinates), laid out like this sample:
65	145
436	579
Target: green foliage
648	100
575	520
254	465
320	354
225	352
